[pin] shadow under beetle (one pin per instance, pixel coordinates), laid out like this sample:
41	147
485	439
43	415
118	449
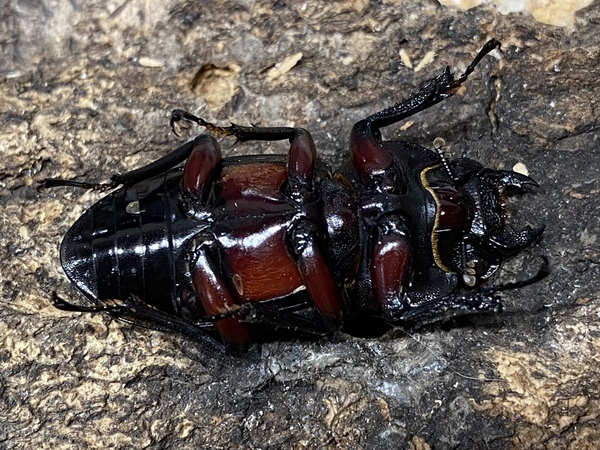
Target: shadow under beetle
225	250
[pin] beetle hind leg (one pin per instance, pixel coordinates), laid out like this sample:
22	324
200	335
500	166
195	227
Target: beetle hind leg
109	306
128	178
133	310
48	183
258	313
301	156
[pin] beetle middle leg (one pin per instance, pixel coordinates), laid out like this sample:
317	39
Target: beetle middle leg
302	237
231	319
301	155
319	281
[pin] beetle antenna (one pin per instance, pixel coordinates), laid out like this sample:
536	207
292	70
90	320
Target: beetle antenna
440	148
446	360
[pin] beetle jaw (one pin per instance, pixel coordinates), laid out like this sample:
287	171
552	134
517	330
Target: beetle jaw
473	248
493	235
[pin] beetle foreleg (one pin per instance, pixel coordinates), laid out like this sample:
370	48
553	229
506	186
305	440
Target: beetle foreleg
440	88
369	158
484	300
453	305
508	179
316	275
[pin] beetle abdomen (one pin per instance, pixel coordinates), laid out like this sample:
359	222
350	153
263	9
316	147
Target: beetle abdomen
132	243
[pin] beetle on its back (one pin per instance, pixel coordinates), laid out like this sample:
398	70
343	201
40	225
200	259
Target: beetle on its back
226	249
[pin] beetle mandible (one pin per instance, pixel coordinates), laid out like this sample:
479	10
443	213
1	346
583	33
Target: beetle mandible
222	249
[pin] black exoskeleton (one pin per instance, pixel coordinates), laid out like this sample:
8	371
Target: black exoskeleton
226	249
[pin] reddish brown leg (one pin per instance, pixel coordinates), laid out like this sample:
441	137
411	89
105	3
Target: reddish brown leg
213	293
301	165
317	277
199	167
369	158
217	299
390	264
301	157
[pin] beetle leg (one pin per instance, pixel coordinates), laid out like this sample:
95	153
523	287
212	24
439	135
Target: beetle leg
510	242
368	156
216	298
454	304
127	179
316	275
104	306
242	134
301	165
390	264
485	300
301	156
139	313
200	167
254	312
370	159
48	183
507	178
440	88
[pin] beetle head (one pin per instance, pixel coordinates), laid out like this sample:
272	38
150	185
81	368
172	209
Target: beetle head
472	234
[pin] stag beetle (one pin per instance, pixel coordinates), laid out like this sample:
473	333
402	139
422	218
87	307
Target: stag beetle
222	249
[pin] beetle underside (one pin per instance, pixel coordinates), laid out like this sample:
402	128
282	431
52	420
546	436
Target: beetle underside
224	250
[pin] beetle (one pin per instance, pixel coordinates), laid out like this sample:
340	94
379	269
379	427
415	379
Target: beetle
226	250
